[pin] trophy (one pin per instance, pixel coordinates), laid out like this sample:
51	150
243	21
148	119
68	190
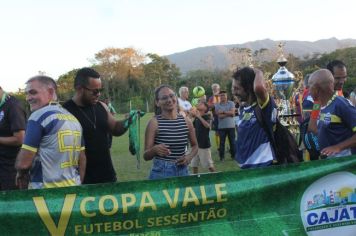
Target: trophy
249	58
283	83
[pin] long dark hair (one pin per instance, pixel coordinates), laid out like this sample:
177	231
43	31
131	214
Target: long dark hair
157	90
246	77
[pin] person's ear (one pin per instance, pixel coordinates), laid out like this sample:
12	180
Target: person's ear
79	90
51	92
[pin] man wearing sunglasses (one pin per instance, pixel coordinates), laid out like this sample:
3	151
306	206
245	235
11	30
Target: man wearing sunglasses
97	122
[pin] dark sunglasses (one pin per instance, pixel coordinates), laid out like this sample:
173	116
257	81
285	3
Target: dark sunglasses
94	91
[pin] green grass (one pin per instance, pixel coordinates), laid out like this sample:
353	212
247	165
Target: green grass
125	163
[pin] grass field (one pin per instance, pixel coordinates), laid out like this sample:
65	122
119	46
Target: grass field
125	163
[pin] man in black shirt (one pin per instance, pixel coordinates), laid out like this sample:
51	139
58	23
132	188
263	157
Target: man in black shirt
202	128
12	132
97	123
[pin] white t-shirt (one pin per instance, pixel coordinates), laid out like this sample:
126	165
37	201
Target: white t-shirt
184	104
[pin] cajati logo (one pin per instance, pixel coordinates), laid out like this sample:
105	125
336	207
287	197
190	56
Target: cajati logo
328	206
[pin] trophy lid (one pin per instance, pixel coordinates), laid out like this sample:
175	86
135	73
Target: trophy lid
282	61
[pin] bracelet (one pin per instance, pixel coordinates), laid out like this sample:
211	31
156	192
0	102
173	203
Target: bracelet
316	111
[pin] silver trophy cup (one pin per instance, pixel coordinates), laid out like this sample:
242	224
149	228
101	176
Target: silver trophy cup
283	84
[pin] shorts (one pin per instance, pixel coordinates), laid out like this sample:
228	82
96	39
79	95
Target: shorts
203	157
7	173
163	169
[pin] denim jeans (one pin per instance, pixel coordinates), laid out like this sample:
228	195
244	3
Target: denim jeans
163	169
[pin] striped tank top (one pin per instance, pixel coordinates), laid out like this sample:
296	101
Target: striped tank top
173	133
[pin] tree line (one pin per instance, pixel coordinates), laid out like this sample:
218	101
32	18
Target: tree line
130	77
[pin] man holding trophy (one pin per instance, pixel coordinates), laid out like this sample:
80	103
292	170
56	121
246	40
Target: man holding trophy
253	148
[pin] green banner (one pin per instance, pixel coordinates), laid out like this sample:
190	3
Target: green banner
311	198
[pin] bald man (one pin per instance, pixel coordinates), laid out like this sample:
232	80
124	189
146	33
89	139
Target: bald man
337	118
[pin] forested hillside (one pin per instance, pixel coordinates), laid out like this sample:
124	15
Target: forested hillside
130	77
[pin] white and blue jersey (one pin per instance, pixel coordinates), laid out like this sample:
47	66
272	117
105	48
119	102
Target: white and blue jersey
337	122
55	136
253	147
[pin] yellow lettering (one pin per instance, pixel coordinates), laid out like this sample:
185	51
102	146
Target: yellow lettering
190	196
98	227
150	222
77	229
203	196
72	150
148	203
175	219
220	192
115	204
183	218
171	203
193	217
167	220
88	229
107	227
137	224
66	117
128	225
117	225
159	221
83	209
66	212
126	203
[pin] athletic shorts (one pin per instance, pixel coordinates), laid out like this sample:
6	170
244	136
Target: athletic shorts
203	157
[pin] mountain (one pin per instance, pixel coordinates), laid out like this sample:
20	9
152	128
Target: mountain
220	56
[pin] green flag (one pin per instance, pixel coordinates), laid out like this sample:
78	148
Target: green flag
133	123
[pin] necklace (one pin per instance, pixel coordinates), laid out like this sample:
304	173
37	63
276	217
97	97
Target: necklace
93	123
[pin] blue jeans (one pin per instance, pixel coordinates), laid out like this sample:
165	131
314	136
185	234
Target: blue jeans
163	169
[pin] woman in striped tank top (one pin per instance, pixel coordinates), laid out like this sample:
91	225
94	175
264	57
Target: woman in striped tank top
166	137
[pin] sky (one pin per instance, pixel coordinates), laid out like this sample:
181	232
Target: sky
56	36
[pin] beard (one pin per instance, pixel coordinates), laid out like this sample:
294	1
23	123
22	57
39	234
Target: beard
242	98
338	86
89	101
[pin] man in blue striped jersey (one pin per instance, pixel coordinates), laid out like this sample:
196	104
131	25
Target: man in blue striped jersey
52	154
